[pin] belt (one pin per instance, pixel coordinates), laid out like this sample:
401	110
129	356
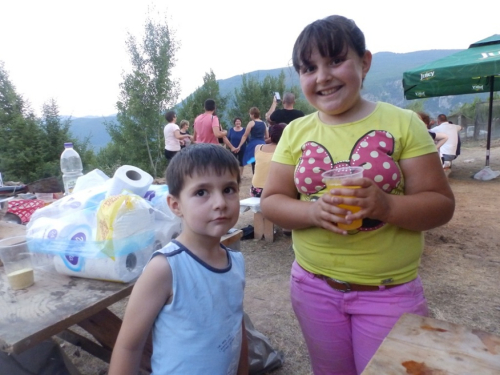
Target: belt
345	287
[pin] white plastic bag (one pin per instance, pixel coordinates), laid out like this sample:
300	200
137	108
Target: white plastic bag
486	174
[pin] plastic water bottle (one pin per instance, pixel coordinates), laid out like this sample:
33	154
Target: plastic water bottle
71	167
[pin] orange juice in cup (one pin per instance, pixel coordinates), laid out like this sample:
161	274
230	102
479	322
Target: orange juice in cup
333	180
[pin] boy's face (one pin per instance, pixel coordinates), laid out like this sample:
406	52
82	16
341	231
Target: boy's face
208	204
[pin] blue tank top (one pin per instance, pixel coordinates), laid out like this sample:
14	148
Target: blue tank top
199	332
235	137
258	130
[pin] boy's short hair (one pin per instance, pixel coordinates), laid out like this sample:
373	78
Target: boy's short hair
209	105
199	158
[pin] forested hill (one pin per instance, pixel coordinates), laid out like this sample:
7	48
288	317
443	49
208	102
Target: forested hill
383	83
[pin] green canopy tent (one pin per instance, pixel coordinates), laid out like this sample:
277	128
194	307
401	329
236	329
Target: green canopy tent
470	71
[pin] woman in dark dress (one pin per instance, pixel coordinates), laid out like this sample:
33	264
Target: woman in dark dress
234	136
257	130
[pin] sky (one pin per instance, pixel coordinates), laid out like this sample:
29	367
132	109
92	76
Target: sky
74	51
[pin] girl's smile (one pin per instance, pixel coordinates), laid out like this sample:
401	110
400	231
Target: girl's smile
332	85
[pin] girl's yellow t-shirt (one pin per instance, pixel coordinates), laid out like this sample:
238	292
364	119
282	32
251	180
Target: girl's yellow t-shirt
377	253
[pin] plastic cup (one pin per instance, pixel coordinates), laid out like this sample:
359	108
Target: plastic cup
17	262
333	180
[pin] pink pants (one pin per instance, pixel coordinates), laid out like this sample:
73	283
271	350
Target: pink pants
344	330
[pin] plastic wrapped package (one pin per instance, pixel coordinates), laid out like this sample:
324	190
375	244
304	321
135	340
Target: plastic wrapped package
87	234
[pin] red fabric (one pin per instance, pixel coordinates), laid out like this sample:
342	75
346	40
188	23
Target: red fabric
24	208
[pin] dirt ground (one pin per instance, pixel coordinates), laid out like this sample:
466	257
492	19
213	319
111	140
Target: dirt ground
460	268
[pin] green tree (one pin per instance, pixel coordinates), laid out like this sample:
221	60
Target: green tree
193	105
19	134
55	132
417	105
145	94
256	93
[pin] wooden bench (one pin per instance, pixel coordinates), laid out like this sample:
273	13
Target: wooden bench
421	345
262	227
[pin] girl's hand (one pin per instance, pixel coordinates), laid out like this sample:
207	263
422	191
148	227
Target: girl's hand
373	201
324	213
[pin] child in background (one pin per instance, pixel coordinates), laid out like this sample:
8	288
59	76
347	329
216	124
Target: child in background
191	291
184	130
348	289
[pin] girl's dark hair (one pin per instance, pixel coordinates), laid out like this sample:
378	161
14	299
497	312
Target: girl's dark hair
199	158
169	116
275	132
331	36
236	118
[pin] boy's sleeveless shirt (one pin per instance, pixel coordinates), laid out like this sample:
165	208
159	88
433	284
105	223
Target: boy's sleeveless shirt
199	332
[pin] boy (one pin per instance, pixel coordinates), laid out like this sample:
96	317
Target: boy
191	291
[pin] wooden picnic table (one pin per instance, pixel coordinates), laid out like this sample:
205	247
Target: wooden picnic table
421	345
56	302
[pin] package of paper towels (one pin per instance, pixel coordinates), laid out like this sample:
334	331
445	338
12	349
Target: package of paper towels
90	234
125	267
130	179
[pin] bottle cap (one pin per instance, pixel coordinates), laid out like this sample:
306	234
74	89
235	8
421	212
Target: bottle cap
68	144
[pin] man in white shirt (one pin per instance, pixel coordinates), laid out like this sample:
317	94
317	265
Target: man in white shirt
448	151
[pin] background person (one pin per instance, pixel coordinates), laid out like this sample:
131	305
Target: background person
348	289
206	126
191	291
172	135
263	157
448	150
234	137
184	130
285	115
256	132
439	138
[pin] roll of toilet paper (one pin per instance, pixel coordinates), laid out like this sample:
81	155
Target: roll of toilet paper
166	232
121	269
131	179
38	228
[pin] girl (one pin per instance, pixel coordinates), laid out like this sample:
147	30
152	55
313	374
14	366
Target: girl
184	130
348	289
258	132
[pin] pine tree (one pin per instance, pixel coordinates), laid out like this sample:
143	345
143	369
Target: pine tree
19	135
193	105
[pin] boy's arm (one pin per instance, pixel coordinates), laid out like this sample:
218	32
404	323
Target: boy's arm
151	292
243	368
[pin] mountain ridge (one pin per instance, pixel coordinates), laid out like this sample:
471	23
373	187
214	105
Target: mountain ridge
383	83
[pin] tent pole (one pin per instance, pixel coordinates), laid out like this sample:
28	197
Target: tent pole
490	115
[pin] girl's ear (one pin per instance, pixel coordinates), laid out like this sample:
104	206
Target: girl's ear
174	205
367	62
